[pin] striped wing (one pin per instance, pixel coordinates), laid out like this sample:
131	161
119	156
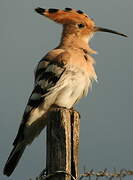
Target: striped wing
47	75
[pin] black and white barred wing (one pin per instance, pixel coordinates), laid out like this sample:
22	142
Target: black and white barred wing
47	86
47	79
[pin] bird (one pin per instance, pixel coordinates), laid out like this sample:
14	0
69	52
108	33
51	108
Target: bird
62	77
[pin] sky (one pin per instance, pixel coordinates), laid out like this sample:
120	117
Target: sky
106	113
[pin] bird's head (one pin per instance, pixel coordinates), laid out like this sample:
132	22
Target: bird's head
75	22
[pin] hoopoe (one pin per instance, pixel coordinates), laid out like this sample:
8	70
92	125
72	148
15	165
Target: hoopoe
62	77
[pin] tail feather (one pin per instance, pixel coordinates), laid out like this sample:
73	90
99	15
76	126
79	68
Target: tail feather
13	159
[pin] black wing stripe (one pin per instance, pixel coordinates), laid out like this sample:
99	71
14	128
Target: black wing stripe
49	76
39	90
44	59
40	71
35	102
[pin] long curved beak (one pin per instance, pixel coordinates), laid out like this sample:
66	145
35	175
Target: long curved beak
109	31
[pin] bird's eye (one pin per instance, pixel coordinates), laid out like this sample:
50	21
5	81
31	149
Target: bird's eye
81	26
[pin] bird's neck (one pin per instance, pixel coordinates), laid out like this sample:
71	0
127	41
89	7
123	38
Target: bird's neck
71	40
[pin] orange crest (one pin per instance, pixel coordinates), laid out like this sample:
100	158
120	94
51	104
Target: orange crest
65	16
73	16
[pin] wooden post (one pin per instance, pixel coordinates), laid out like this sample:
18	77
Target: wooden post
62	143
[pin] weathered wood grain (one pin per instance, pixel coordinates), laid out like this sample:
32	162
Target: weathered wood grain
62	143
